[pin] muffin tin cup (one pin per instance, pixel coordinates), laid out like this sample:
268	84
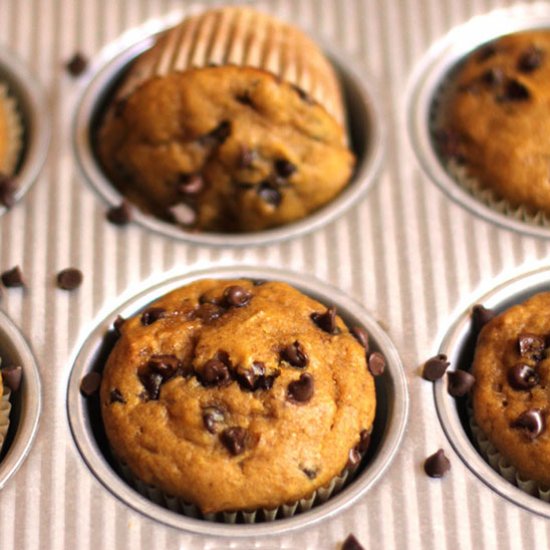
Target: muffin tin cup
366	135
389	426
25	403
458	344
427	88
32	110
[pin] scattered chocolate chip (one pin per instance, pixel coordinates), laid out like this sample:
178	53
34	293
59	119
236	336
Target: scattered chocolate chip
11	376
8	187
310	473
151	315
190	184
268	193
121	214
531	346
247	157
117	323
89	385
244	99
376	363
362	336
69	279
301	390
248	379
284	168
218	135
437	464
116	397
481	316
215	373
295	355
435	367
354	458
460	382
77	64
531	422
522	377
208	312
236	296
364	441
326	321
234	440
151	382
514	91
351	543
530	60
166	365
486	52
211	417
182	214
13	277
493	76
449	144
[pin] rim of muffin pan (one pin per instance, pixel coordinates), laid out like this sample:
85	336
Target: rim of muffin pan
458	344
366	134
33	111
427	80
389	426
26	402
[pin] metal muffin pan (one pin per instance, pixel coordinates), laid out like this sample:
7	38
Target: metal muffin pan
365	130
33	110
26	402
458	344
438	63
391	412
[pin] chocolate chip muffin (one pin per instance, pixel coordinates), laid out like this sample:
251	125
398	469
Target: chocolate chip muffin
231	395
494	119
10	132
510	397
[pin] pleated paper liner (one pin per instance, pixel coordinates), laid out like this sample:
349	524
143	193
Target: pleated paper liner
5	408
501	465
11	133
242	36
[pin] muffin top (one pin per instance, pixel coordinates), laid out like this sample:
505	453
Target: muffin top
224	149
236	396
510	398
10	133
495	119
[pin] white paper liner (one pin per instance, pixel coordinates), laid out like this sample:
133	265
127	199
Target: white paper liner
5	408
14	125
501	465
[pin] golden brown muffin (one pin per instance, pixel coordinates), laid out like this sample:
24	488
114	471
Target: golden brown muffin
10	133
510	398
495	119
236	396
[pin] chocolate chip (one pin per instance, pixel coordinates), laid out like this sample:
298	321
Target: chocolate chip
460	382
166	365
284	168
435	367
514	91
530	60
247	157
303	95
236	296
295	355
270	194
69	279
481	316
207	312
218	135
182	214
301	390
151	382
493	76
437	465
151	315
376	363
8	187
486	52
531	346
258	282
364	441
531	422
211	417
117	324
362	336
522	377
234	440
190	184
310	473
351	543
77	64
248	379
215	373
11	376
89	385
116	397
326	321
121	214
244	99
13	277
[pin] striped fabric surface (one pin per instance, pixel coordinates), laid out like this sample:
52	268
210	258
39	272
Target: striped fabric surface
411	256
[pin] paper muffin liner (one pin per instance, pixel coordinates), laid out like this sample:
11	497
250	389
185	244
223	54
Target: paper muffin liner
14	127
242	36
5	408
501	464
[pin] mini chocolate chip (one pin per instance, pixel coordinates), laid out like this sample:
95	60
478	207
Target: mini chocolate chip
364	441
362	336
77	64
531	346
376	363
165	365
190	184
351	543
211	417
234	440
117	324
301	390
522	377
182	214
8	187
486	52
215	373
151	315
326	321
435	367
248	379
218	135
284	168
116	397
247	157
151	382
311	474
13	277
121	214
481	316
459	383
89	385
295	355
269	194
531	422
69	279
237	296
244	99
530	60
11	376
514	91
493	76
437	465
207	312
354	458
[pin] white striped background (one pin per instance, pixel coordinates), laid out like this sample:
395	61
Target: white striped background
406	252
